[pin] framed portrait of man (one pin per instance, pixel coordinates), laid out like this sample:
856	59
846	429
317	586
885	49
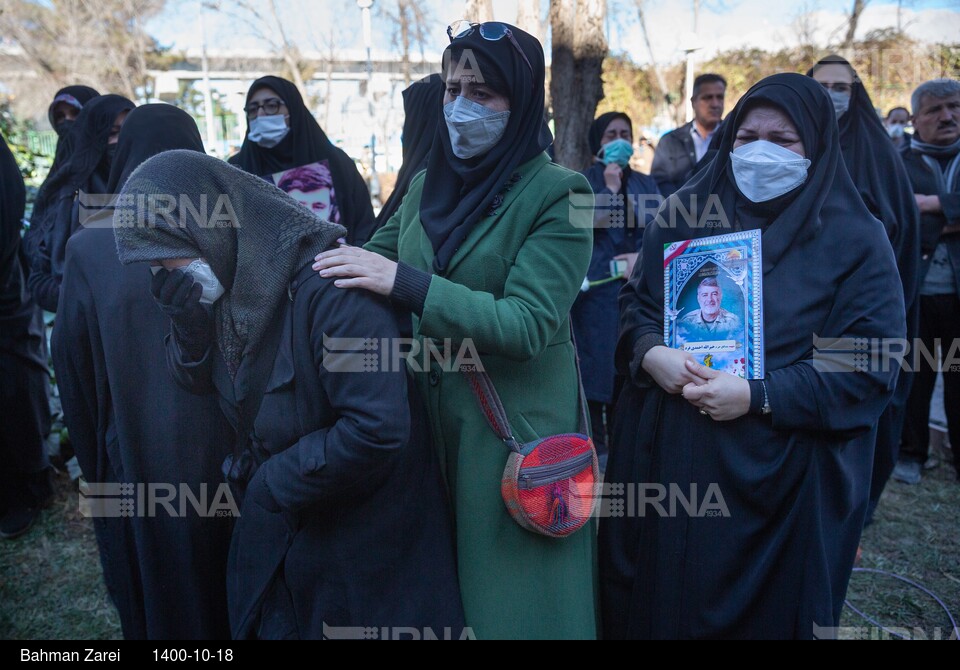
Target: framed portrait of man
713	294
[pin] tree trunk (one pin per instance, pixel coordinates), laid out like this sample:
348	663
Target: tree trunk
479	11
291	56
331	54
403	11
576	84
858	7
528	18
661	81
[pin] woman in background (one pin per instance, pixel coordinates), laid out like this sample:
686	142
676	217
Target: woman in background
420	120
94	141
626	201
881	179
282	135
131	424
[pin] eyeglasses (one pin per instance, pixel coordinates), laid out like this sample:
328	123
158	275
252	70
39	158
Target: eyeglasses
491	31
270	106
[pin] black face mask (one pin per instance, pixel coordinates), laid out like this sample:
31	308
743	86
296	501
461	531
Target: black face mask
64	127
111	152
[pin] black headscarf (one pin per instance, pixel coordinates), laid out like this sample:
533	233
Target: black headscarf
80	94
458	192
307	143
420	121
879	175
54	219
148	131
88	166
72	95
599	127
795	215
827	194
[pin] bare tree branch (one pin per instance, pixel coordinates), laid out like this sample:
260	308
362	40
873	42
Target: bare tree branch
661	82
267	25
99	42
854	19
410	21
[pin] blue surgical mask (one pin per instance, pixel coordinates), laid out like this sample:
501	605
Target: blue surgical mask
841	102
618	151
268	131
473	128
764	170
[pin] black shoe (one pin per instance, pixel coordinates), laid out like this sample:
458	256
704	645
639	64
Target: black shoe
18	521
39	488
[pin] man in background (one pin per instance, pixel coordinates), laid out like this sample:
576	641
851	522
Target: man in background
680	150
933	164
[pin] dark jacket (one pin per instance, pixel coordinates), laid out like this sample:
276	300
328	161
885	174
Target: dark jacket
24	408
47	262
595	314
21	324
925	182
345	523
130	423
674	160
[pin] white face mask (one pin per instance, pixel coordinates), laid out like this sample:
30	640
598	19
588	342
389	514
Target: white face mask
202	273
473	128
896	130
841	102
268	131
764	170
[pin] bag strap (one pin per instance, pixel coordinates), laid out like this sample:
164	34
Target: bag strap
493	411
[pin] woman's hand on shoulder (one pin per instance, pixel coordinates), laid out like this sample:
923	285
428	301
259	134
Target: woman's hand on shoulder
719	395
354	267
668	367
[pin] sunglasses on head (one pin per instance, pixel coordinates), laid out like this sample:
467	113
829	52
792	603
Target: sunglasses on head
491	31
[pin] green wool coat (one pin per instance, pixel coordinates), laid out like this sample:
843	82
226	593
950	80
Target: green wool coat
506	296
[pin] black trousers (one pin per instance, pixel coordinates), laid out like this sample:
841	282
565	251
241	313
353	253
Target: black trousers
23	412
939	324
601	421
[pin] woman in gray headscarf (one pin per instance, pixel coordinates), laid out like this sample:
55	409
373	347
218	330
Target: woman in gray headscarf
343	520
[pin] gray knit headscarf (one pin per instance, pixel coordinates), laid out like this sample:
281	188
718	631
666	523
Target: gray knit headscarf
183	204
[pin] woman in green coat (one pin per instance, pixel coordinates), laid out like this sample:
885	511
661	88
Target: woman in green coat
488	251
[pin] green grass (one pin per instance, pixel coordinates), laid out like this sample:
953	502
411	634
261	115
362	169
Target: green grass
51	584
915	535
